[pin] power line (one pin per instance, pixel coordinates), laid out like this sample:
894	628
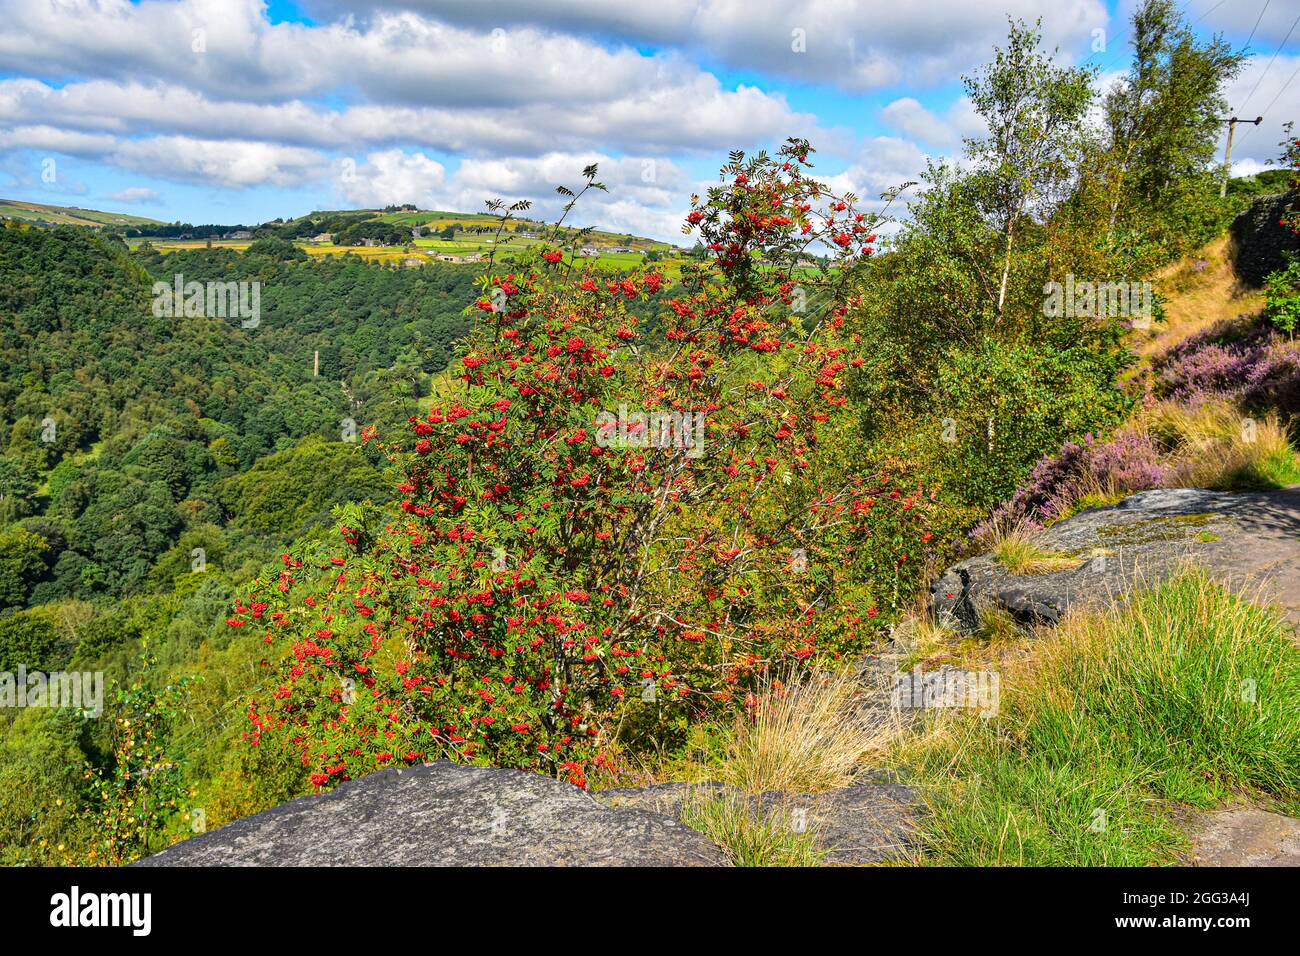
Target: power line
1283	90
1270	62
1212	9
1257	21
1264	111
1273	100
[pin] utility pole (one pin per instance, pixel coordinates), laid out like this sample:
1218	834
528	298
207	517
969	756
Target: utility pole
1227	150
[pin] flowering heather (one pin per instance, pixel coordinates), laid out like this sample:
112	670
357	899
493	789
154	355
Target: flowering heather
1251	365
1254	365
1128	462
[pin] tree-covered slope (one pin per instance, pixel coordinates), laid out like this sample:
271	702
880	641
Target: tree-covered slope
123	431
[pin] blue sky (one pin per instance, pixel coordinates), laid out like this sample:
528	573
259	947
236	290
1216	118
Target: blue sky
241	111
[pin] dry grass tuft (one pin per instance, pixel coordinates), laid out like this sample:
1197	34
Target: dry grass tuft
920	637
807	736
1213	445
751	835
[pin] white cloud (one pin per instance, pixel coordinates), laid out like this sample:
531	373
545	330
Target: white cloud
217	44
1248	167
884	163
229	163
655	118
845	43
390	178
226	163
52	139
228	50
908	116
646	196
136	194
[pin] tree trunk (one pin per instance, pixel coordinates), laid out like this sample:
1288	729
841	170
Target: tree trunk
1006	270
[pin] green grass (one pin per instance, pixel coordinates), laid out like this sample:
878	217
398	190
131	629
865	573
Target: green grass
1279	469
1188	695
1020	554
750	835
1095	500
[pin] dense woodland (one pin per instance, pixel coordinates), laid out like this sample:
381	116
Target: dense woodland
154	467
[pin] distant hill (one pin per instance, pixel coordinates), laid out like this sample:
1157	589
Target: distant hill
433	221
68	215
444	232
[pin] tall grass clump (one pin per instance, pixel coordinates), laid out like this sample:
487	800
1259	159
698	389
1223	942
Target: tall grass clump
751	835
1188	693
1214	445
1018	550
805	736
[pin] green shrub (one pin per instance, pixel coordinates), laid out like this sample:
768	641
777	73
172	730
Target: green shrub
1282	296
22	561
1000	408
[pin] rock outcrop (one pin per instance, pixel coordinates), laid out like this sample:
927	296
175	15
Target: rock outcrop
1246	539
444	814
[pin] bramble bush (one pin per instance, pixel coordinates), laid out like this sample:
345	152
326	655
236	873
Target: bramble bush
141	788
562	583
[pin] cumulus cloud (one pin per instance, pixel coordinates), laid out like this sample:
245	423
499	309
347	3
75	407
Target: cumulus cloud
656	118
844	43
225	163
390	178
229	50
646	195
228	163
884	163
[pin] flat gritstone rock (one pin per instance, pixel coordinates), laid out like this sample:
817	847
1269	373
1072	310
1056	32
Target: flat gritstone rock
444	814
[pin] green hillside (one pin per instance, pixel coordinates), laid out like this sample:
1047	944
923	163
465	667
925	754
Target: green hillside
68	215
